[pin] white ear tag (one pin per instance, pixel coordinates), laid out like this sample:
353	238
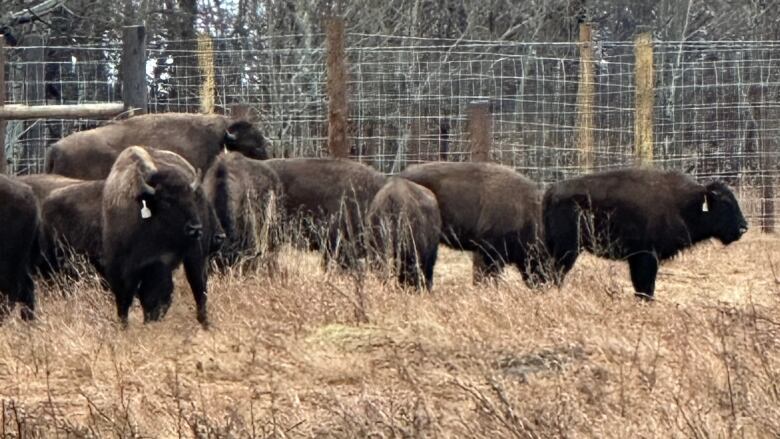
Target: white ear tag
704	206
145	212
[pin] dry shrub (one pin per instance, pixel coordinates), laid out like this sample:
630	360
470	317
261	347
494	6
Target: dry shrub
314	353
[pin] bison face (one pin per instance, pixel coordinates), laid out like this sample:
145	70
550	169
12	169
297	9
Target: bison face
725	216
245	138
173	204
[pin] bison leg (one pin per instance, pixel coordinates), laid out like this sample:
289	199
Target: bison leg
155	291
123	297
644	267
26	296
487	267
197	276
428	264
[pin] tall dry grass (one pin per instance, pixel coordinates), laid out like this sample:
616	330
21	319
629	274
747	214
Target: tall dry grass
308	353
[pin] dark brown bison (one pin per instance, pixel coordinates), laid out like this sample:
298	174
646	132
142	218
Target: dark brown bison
640	215
329	198
89	155
244	193
18	244
152	220
488	209
405	227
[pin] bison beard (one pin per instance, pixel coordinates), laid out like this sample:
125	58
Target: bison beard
405	226
197	138
18	245
152	220
641	216
488	209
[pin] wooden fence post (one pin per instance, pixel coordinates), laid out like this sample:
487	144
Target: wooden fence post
133	69
767	121
645	97
3	160
480	130
206	64
481	136
34	94
585	99
337	89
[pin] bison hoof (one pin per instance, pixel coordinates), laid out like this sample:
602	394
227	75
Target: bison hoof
27	314
644	297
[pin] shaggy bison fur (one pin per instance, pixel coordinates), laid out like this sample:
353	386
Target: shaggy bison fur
89	155
405	226
18	245
488	209
642	216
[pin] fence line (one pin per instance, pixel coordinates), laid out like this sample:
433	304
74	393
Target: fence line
715	112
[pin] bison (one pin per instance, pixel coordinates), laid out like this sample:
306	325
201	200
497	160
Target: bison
197	138
487	209
152	220
405	226
244	192
18	244
643	216
330	197
44	184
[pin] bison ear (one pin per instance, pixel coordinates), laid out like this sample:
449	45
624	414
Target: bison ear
234	130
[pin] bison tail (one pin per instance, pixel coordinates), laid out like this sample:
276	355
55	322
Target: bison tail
51	157
222	198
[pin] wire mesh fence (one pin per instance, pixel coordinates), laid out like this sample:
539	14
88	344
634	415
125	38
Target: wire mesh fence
716	104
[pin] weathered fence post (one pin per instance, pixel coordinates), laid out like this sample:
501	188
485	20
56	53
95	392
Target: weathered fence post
480	135
206	64
645	97
480	130
33	57
767	121
133	69
585	99
337	89
3	160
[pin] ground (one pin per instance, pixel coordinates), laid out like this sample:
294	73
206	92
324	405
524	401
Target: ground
313	354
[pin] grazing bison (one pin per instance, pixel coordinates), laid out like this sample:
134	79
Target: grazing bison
89	155
488	209
330	198
640	215
18	245
152	220
244	192
405	226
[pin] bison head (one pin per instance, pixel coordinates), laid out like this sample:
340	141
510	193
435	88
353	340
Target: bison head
723	213
171	201
243	137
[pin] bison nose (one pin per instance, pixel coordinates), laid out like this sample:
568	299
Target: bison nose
193	230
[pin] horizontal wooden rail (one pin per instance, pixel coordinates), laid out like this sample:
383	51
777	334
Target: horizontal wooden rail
87	111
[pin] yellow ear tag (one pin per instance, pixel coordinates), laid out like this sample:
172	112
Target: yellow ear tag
145	212
704	206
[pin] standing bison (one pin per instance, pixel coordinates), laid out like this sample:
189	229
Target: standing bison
89	155
152	220
639	215
329	198
244	193
488	209
18	244
405	225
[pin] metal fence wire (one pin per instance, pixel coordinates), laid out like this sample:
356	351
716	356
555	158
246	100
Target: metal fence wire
716	104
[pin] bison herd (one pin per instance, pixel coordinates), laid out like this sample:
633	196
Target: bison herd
201	188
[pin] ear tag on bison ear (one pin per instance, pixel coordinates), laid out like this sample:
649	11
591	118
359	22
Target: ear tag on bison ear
145	212
704	206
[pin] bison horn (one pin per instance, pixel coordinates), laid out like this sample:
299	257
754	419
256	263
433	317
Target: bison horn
195	181
148	189
229	135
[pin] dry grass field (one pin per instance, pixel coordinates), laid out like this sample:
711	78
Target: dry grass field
314	354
